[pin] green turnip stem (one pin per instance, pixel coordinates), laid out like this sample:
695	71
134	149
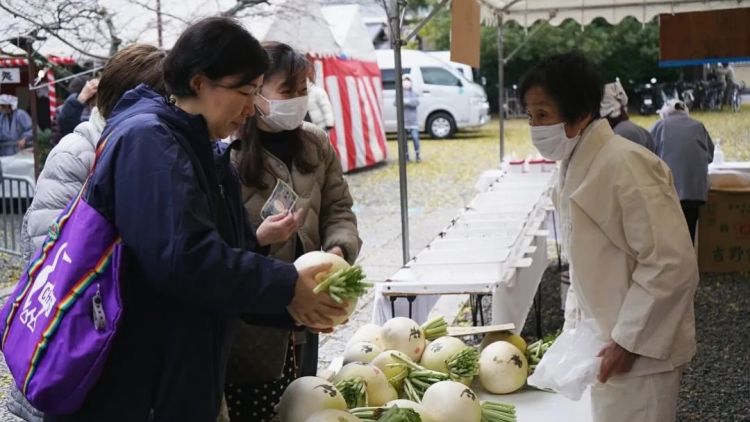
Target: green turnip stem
398	378
435	328
399	414
367	414
536	350
498	412
464	364
419	379
411	392
346	284
354	391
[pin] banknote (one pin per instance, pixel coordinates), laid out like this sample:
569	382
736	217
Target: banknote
282	200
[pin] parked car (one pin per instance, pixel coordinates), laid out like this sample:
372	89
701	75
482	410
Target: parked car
448	101
470	73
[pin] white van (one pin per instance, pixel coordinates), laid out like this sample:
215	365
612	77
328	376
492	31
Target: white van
448	101
467	71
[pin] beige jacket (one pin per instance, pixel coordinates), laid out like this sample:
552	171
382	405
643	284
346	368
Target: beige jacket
323	194
633	264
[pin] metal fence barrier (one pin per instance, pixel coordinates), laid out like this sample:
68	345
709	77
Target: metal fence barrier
16	194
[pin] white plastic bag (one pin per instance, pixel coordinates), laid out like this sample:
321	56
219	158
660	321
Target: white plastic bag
570	365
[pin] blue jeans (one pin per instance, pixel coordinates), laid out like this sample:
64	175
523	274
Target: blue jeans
414	133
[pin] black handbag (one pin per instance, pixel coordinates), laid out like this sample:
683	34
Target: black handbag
258	354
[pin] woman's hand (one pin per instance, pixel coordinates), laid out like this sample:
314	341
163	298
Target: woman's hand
615	360
336	250
278	228
310	309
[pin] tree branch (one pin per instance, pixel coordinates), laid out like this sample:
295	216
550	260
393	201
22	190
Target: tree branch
242	5
167	14
52	30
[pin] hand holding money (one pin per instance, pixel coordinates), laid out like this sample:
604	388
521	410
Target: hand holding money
282	200
278	228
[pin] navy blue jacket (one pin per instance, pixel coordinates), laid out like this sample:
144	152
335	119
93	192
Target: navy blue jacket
71	114
187	271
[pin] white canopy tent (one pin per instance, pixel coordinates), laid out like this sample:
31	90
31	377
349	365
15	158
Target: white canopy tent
299	23
350	31
584	11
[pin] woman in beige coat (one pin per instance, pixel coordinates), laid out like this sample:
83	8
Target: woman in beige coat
278	146
633	267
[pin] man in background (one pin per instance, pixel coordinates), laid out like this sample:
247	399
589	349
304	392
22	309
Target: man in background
15	126
614	108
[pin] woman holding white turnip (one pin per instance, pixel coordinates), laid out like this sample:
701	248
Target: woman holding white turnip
277	146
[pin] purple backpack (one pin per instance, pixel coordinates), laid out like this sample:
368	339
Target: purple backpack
58	325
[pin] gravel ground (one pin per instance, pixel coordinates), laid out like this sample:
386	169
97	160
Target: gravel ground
715	387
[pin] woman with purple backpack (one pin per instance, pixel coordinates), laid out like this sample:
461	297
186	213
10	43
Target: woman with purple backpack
187	271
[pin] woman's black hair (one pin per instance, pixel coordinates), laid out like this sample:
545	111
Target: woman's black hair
571	80
216	47
293	67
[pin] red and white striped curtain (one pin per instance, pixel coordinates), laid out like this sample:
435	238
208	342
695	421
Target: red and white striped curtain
18	62
356	94
52	93
50	76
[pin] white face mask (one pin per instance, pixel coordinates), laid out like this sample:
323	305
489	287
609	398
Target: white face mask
284	114
552	141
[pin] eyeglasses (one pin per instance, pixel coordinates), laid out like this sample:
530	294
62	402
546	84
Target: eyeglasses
255	91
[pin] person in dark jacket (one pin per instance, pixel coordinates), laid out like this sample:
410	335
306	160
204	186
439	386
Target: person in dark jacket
188	271
685	145
614	108
411	116
77	107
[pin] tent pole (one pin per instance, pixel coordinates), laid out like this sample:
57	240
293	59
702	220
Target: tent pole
34	115
396	42
501	83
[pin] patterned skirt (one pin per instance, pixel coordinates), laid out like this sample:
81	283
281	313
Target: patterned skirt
256	402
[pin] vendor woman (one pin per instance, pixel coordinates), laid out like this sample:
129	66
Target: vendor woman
633	267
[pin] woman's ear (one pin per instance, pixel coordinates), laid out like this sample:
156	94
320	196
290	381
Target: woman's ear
197	82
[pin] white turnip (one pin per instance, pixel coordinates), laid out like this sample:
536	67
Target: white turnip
451	401
330	415
452	356
395	370
342	281
405	335
363	384
307	395
361	352
502	368
371	333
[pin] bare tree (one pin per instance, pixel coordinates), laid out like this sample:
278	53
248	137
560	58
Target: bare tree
82	25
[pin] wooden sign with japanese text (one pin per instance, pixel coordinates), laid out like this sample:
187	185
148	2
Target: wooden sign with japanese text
724	232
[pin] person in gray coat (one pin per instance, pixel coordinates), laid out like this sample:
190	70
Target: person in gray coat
69	162
685	145
614	108
411	122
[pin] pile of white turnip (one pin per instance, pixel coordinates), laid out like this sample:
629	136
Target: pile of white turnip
421	368
312	399
414	357
344	283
